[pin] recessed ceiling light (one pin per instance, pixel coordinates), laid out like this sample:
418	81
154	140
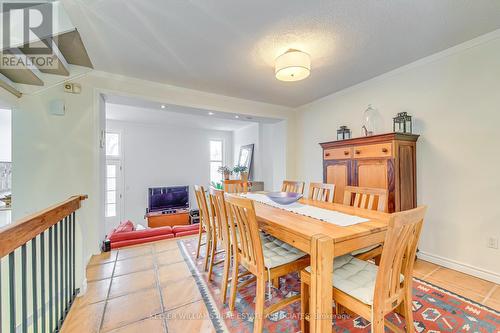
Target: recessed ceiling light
236	116
293	65
163	106
210	113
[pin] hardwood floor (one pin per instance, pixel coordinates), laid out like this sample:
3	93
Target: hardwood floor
148	288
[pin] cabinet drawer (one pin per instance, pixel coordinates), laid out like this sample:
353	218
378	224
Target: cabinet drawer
378	150
337	153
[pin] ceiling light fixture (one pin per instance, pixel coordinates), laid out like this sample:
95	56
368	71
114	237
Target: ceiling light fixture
163	106
236	116
293	65
210	113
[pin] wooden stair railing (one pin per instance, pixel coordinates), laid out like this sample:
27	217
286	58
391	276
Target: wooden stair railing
49	233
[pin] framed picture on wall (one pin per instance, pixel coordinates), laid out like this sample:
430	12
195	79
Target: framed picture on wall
246	158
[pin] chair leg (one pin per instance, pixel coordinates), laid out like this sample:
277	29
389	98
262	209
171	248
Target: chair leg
212	258
260	295
304	303
225	276
234	283
378	325
208	248
200	235
408	311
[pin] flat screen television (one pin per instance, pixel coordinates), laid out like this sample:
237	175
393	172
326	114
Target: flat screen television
163	198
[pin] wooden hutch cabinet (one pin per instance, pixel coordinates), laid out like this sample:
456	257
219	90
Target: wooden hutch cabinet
383	161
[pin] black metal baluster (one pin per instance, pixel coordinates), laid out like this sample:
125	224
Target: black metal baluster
12	291
70	249
56	277
73	251
42	283
34	285
24	298
61	281
51	291
66	291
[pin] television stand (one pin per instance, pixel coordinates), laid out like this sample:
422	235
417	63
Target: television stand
168	218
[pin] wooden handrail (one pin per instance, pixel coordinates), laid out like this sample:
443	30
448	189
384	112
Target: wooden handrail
16	234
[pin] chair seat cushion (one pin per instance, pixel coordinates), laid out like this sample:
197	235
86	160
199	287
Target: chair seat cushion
355	277
277	253
364	250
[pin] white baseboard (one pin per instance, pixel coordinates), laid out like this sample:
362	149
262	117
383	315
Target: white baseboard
458	266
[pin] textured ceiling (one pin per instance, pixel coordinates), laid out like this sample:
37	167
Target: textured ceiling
228	47
135	110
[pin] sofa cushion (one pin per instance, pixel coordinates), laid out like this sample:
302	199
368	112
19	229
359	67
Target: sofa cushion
182	228
186	233
125	226
129	242
120	236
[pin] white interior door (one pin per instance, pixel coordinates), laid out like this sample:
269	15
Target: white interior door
113	193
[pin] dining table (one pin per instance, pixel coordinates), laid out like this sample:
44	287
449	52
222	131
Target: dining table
323	241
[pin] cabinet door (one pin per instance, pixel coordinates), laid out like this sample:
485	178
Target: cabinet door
376	173
371	173
338	173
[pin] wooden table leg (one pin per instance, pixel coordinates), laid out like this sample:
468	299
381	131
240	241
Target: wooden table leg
320	308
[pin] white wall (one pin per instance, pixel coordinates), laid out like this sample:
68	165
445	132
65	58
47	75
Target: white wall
5	135
245	136
156	155
454	97
269	157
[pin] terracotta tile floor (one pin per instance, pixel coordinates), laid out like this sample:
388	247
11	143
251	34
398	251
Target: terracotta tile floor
149	288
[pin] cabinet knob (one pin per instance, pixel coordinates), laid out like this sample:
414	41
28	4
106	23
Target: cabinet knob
327	154
385	150
358	152
346	152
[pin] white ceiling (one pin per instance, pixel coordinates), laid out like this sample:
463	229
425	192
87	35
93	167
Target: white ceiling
228	47
145	112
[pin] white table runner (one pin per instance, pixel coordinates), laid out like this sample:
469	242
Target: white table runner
322	214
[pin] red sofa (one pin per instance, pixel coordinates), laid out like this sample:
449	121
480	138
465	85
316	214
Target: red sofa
126	235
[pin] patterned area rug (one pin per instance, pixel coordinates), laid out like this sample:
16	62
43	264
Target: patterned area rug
435	309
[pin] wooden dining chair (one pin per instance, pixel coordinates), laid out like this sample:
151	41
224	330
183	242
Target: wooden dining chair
293	186
366	198
262	255
374	291
372	199
218	203
321	192
235	186
206	224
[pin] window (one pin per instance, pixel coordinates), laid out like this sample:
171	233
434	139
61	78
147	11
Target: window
113	172
110	198
112	144
216	160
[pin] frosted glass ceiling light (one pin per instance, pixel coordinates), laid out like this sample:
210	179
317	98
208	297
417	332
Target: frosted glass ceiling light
293	65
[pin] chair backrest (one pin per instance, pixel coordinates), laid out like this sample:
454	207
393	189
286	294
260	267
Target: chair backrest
201	200
218	204
398	258
321	192
241	212
235	186
367	198
293	186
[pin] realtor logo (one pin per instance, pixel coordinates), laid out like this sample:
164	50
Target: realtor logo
26	35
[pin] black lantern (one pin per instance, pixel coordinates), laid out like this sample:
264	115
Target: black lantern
402	123
343	133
